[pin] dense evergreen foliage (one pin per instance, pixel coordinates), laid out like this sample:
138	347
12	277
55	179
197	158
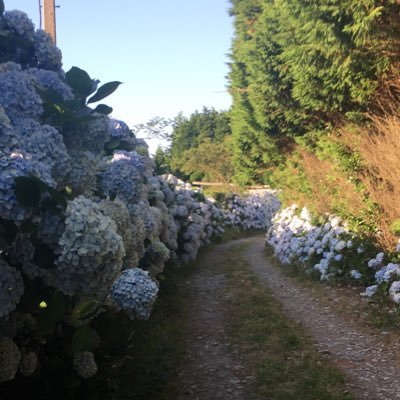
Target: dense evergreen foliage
303	65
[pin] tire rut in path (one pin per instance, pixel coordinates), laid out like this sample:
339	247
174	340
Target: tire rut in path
212	368
373	368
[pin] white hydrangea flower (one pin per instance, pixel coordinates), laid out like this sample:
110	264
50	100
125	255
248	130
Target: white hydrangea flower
341	244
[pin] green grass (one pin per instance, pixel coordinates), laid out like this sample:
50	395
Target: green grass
234	233
278	352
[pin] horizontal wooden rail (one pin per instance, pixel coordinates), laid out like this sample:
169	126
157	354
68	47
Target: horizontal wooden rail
200	183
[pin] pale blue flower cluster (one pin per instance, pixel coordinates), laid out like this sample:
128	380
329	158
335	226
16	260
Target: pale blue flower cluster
197	218
329	249
92	252
119	213
252	211
296	240
123	176
134	292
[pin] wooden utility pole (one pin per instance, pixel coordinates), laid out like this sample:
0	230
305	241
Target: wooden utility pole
49	13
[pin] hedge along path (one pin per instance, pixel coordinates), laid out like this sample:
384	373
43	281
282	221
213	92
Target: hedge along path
216	367
367	357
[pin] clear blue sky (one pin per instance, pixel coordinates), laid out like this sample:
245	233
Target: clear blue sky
170	54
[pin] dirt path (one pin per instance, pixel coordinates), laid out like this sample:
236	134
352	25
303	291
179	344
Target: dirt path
213	368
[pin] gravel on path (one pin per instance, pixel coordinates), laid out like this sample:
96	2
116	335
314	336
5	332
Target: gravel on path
364	357
214	368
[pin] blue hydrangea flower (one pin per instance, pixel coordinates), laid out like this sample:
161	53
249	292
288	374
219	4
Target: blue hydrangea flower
121	132
123	176
12	166
91	251
119	213
47	54
18	95
135	293
8	141
44	144
90	136
46	79
81	177
20	23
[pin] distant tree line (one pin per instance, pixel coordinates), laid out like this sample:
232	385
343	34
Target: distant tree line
199	147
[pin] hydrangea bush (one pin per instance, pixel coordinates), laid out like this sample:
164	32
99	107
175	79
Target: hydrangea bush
252	211
329	250
85	226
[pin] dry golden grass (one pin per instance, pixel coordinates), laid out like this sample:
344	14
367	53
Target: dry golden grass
379	147
331	189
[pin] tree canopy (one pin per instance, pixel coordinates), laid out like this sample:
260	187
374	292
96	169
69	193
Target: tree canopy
300	65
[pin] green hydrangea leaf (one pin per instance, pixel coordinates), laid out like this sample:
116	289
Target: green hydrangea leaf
104	91
84	339
44	257
80	81
103	109
27	191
